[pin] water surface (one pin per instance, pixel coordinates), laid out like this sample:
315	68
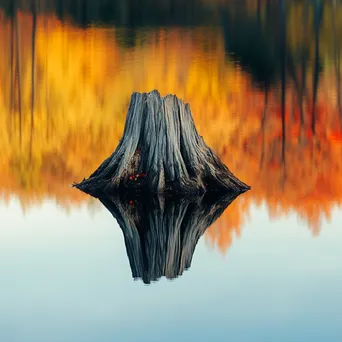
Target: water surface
263	80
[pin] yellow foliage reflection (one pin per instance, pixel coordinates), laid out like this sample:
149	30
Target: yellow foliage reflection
64	114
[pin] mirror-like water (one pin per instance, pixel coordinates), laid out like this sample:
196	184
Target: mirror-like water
263	79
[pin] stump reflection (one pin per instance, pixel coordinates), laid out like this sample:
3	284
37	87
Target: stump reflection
161	233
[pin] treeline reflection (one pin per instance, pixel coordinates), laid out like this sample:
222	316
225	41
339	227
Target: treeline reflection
273	116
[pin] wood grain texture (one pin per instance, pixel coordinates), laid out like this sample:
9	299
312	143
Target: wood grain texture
161	152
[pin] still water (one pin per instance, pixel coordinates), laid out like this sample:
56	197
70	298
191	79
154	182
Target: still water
263	79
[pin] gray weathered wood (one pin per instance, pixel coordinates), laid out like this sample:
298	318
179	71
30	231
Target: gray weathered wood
161	151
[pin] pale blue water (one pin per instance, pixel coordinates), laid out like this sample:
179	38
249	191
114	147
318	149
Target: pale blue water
66	277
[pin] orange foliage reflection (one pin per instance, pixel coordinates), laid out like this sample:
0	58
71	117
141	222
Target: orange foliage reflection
59	124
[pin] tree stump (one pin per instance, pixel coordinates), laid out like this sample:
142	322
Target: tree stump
161	233
161	152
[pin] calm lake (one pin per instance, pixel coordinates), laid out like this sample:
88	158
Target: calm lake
263	79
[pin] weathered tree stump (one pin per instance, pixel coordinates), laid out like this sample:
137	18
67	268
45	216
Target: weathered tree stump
161	233
161	152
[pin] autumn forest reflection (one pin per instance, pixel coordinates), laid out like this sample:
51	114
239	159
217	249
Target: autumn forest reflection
274	116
